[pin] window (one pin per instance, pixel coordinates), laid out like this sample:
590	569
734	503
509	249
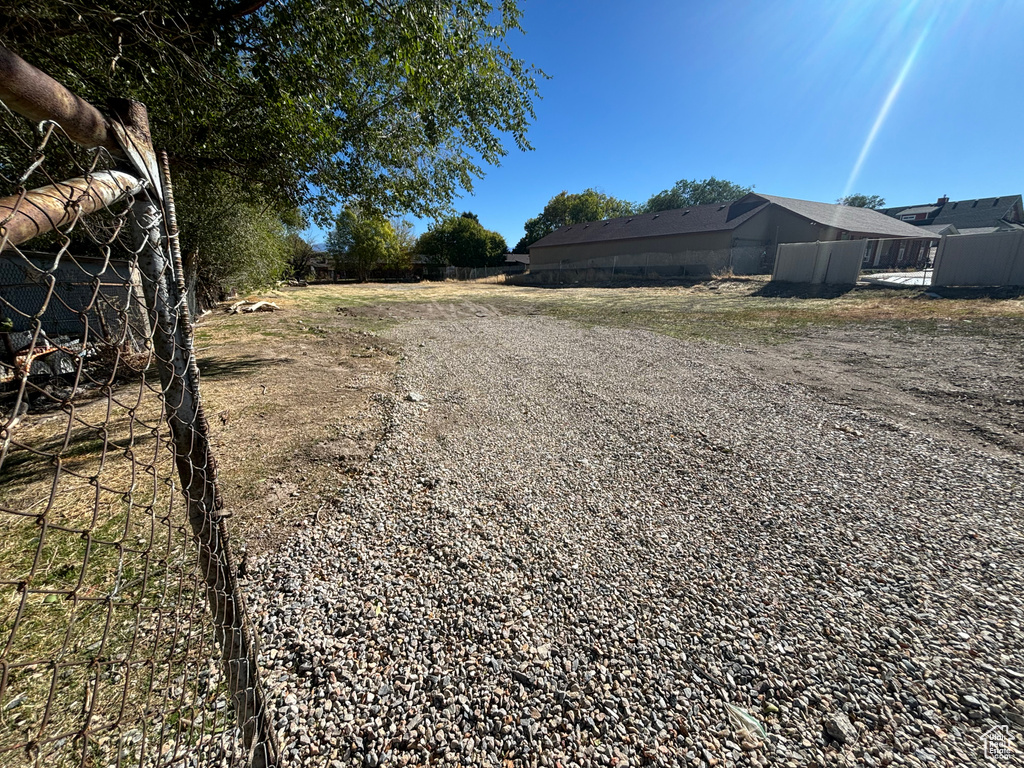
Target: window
908	216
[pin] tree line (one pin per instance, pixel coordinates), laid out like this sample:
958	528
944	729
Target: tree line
364	245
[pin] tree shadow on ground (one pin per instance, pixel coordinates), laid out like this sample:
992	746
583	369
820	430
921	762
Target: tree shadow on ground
218	367
81	449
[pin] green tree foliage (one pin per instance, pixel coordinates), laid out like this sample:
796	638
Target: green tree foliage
405	234
228	241
405	245
462	242
300	256
863	201
687	192
362	243
565	208
396	104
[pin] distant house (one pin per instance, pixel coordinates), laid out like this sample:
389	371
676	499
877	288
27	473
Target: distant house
426	267
705	239
516	262
322	266
964	217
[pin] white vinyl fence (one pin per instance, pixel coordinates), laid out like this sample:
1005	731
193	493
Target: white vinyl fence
980	260
832	263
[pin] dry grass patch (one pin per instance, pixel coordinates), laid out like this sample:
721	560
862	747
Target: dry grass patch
734	310
102	609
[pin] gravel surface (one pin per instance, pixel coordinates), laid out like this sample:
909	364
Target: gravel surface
602	547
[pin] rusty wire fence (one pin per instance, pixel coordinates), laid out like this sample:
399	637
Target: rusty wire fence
123	637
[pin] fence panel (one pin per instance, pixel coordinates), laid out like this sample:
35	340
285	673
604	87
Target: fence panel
123	639
993	259
831	262
843	261
794	262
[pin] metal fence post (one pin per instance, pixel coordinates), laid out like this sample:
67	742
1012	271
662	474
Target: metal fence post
156	239
197	471
26	91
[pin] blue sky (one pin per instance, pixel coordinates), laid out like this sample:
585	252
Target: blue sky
779	95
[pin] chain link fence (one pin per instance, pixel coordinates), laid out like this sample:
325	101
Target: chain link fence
123	637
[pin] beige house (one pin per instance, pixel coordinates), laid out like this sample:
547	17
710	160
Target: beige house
705	239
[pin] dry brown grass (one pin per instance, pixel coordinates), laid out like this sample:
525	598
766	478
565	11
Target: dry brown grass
737	310
101	605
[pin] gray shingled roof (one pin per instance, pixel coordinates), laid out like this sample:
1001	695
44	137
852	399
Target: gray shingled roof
940	229
977	230
718	217
984	212
857	220
722	217
928	209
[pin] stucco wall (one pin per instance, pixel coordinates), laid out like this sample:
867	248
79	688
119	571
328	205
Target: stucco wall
748	259
676	255
777	225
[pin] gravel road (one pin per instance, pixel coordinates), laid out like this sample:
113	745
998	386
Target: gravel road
582	546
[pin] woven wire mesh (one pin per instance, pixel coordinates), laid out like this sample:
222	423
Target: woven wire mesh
108	654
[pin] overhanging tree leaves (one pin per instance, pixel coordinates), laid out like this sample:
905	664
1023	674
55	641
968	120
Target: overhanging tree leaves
687	192
395	103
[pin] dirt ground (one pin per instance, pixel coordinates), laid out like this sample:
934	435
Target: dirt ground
295	402
298	398
946	382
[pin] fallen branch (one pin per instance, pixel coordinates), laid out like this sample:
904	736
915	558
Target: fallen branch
261	306
257	306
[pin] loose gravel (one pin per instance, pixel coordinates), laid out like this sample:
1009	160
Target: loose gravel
583	547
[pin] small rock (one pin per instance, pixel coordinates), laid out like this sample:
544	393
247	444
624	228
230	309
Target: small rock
969	701
840	728
524	679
